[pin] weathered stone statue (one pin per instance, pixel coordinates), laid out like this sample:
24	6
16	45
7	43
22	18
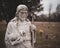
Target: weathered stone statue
20	31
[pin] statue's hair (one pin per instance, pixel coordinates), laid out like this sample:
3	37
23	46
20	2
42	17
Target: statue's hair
20	7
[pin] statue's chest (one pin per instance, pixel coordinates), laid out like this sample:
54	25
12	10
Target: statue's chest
24	28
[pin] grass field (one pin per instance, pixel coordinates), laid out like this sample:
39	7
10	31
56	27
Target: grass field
47	35
50	37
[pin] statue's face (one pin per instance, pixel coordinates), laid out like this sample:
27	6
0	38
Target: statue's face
23	14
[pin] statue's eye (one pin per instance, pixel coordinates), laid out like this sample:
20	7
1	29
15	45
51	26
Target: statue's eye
22	12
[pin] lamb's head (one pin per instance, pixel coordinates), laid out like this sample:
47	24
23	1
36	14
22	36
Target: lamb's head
22	33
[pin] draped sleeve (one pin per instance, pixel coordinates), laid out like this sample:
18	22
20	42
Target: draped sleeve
12	35
33	30
8	32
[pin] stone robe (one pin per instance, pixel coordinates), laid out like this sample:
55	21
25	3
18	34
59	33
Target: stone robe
19	36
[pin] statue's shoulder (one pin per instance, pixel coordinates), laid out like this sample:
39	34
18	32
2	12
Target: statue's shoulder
33	26
28	21
12	21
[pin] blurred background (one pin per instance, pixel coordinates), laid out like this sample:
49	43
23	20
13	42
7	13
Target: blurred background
45	14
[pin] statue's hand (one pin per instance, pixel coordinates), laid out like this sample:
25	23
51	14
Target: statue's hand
15	42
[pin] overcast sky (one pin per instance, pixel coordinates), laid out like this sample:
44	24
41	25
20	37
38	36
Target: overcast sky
46	4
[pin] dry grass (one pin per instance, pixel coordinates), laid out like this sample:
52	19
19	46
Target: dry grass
52	30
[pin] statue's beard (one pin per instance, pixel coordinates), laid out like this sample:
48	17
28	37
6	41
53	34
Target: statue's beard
22	19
